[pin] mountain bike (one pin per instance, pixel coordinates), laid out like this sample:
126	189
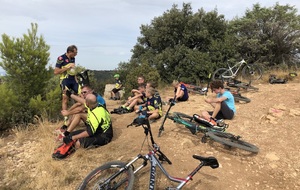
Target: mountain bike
241	85
197	89
217	133
120	175
249	71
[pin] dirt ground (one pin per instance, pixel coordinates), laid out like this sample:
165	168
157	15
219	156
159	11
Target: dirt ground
270	121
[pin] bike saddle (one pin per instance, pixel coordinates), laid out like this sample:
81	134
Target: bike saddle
208	161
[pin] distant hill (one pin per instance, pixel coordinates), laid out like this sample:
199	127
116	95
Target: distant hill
104	75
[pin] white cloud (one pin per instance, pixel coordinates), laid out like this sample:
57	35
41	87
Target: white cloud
105	31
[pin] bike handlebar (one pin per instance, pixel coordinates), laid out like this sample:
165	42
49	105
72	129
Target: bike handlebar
142	120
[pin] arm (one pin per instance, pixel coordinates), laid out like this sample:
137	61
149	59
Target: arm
80	135
216	100
178	92
78	109
58	70
77	98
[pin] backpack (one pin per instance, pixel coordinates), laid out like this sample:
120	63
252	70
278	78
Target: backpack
64	150
274	80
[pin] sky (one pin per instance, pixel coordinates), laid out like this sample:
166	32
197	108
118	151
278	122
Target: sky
105	31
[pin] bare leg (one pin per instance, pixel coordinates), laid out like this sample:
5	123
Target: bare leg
153	116
76	120
65	102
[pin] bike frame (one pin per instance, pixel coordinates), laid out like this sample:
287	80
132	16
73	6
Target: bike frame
238	66
154	163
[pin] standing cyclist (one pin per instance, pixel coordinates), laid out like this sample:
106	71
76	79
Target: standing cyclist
65	66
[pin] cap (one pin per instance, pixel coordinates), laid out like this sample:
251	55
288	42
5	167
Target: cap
116	76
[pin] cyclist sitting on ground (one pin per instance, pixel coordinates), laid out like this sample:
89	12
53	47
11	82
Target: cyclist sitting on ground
180	92
223	104
98	130
140	81
138	99
153	105
117	88
78	112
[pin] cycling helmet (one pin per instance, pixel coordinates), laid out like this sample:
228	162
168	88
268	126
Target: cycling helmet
116	76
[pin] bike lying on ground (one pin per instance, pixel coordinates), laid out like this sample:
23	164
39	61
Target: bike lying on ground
217	133
238	96
241	85
249	71
195	89
120	175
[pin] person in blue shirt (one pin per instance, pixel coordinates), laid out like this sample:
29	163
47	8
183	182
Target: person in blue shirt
223	105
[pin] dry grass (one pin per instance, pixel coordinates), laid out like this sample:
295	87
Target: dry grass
279	74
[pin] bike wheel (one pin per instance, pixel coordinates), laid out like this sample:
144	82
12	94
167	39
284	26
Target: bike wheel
222	74
99	178
231	141
252	72
239	98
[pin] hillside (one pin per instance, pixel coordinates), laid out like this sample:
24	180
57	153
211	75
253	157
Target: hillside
270	121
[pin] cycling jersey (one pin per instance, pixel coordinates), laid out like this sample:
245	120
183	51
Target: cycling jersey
63	61
118	84
185	96
67	78
154	104
98	121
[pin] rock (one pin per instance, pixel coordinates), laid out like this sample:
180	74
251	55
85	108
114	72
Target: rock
272	156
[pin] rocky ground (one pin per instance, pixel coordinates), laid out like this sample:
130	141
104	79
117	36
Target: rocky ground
270	121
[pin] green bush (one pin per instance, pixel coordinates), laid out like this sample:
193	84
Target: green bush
8	107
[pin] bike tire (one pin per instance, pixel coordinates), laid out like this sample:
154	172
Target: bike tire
123	180
231	141
252	72
239	98
222	74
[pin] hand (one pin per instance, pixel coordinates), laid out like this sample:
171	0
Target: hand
65	112
71	65
67	139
